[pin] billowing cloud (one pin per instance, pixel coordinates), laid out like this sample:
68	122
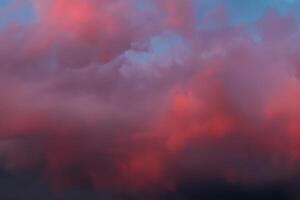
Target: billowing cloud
130	98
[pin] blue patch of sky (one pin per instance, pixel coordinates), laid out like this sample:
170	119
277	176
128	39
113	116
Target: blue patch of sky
22	13
247	11
144	4
252	10
4	2
159	45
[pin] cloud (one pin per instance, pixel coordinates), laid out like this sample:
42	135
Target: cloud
130	99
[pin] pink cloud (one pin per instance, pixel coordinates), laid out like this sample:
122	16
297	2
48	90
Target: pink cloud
227	108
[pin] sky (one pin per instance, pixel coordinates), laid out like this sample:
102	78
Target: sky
149	99
239	11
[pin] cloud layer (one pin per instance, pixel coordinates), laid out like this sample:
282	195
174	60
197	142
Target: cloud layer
133	97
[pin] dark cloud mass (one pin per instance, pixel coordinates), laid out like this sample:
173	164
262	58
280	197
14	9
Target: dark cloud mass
125	99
